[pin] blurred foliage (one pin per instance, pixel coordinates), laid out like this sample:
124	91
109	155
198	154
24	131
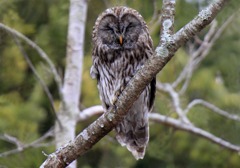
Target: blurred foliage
25	110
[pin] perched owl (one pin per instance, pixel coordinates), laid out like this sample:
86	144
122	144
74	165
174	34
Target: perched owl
121	45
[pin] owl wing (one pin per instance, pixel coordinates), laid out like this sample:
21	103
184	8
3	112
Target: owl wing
94	69
94	72
152	93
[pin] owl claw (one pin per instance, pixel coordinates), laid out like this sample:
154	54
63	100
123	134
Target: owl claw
117	93
113	100
115	97
121	89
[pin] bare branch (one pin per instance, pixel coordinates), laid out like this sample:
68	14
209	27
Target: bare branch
89	112
11	139
155	26
167	20
155	13
205	17
190	67
212	107
192	129
211	38
155	21
42	83
198	55
21	146
43	55
175	99
178	124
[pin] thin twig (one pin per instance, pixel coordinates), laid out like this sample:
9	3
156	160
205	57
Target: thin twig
11	139
42	83
212	107
40	51
198	55
89	112
178	124
189	68
175	100
20	146
155	13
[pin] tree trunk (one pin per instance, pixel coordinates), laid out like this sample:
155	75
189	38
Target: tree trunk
71	91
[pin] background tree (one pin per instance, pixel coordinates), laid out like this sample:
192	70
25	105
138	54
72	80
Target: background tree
212	80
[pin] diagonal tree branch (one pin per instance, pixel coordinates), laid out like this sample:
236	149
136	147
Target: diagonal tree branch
155	15
197	56
21	146
40	51
213	108
188	70
89	112
104	124
178	124
42	83
191	128
175	100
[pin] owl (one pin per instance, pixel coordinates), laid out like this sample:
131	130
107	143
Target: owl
121	45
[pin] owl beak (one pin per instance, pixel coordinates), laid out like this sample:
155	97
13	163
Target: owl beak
121	39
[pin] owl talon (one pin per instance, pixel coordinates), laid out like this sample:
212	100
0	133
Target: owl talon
117	93
113	100
121	89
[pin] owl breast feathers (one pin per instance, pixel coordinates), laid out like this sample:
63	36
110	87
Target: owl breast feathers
121	45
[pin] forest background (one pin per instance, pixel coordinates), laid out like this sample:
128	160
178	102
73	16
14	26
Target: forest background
25	110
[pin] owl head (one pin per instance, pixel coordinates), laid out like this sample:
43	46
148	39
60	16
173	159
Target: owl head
119	28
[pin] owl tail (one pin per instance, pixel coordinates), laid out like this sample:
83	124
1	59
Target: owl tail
135	139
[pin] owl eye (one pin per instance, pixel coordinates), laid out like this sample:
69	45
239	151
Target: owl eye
108	28
130	25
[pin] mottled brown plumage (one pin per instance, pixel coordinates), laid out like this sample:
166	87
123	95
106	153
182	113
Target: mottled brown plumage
121	45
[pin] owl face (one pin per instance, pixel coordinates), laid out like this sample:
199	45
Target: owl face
119	28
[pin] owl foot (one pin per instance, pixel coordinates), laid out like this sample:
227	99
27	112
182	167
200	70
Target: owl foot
113	100
115	96
117	93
